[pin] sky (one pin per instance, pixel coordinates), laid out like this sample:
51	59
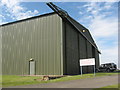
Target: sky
101	18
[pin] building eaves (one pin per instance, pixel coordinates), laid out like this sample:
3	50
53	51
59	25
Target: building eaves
28	18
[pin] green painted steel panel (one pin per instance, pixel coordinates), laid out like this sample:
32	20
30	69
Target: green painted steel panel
90	69
76	47
55	46
86	33
83	50
82	47
89	50
38	38
72	57
97	62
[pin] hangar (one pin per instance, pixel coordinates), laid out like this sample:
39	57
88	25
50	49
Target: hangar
48	44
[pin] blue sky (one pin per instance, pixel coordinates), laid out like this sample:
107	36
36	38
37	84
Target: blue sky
101	18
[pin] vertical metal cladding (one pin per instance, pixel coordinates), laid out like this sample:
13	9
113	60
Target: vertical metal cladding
83	50
89	55
72	57
82	47
87	51
81	28
97	58
54	44
38	38
78	47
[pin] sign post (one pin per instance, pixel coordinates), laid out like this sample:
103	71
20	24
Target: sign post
81	70
94	70
87	62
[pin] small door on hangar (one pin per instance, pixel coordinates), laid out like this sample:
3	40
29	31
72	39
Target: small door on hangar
32	67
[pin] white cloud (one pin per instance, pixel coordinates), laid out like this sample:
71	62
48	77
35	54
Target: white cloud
80	12
70	0
104	28
108	5
15	10
2	18
92	7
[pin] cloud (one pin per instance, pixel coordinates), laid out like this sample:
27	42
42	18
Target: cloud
102	21
15	10
104	27
70	0
1	19
80	12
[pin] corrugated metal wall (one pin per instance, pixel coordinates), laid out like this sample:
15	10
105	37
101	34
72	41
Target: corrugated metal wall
76	48
83	51
97	58
82	47
72	57
81	28
89	55
39	38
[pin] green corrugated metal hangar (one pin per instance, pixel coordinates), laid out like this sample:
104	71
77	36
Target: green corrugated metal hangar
49	44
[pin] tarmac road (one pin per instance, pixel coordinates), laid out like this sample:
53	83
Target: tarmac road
96	82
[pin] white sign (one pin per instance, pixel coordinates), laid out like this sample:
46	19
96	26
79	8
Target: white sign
87	62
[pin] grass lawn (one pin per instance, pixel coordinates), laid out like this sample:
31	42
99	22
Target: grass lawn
10	80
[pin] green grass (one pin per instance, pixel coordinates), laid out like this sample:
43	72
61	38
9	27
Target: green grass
10	80
84	76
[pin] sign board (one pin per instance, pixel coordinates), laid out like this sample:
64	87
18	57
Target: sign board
87	62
